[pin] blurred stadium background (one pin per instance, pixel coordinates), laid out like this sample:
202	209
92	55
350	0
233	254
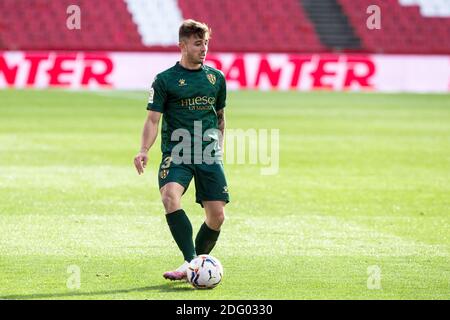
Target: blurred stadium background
294	44
359	208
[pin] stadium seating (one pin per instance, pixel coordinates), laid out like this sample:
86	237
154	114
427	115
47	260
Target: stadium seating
403	28
41	24
250	25
254	25
157	21
430	8
407	26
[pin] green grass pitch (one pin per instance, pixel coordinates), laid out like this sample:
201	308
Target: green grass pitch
363	182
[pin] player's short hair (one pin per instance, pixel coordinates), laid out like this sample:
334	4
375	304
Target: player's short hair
191	27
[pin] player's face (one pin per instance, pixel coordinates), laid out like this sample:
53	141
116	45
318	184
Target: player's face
195	49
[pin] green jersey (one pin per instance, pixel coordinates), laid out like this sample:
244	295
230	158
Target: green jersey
188	100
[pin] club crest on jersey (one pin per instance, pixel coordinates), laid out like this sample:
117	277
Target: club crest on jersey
181	82
163	173
211	78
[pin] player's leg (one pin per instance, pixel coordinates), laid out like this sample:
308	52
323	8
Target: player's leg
212	194
179	224
174	181
215	214
171	194
209	231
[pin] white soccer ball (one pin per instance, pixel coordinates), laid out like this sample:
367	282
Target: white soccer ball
205	272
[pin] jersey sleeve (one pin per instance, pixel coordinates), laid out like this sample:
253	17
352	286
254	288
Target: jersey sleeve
222	94
157	96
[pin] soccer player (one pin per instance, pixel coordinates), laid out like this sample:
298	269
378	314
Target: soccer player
190	96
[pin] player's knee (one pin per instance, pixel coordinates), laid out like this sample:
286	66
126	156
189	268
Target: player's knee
219	219
170	201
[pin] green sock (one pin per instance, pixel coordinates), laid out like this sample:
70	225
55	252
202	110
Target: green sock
181	230
206	239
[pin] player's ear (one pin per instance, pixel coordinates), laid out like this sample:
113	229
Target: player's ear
182	45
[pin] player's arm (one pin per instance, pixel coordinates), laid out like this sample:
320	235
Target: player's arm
221	125
220	109
149	134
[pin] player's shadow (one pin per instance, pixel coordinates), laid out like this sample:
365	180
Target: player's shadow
169	287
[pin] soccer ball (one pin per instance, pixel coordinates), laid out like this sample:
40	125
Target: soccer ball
205	272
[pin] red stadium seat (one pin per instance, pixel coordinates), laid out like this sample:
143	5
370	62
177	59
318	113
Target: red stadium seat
247	26
255	25
403	28
42	25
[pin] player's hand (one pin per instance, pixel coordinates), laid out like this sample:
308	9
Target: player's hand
140	161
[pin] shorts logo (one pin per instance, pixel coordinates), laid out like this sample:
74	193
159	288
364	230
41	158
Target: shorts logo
211	78
163	173
225	189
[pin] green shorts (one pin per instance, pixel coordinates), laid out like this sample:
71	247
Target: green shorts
210	182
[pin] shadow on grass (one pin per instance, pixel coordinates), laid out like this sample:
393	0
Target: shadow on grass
169	287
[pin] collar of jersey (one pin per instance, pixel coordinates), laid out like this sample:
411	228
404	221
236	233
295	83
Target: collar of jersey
188	70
